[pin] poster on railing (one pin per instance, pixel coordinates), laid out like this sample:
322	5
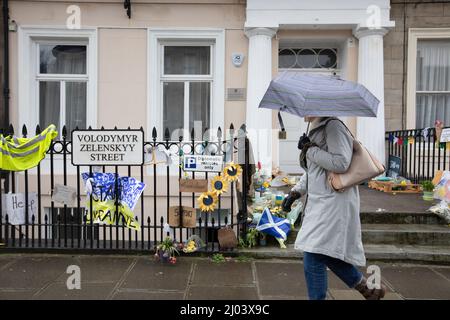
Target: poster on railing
13	205
394	165
203	163
445	135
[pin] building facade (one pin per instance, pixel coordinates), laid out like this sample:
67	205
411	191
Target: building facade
201	64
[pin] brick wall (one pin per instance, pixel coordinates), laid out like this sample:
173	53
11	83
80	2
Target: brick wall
407	14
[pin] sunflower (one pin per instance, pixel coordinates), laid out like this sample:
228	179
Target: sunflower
219	185
207	201
232	171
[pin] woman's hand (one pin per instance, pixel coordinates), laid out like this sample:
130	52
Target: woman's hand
289	200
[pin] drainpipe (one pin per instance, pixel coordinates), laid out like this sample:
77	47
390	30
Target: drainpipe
5	123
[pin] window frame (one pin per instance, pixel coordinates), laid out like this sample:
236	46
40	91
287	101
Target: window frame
414	35
158	37
29	74
62	78
186	79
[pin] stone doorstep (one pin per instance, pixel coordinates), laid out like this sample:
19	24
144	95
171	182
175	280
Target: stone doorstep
390	253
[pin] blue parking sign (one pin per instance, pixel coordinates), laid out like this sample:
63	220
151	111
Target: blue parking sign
190	163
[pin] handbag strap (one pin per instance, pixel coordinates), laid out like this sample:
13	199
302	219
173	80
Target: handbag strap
329	120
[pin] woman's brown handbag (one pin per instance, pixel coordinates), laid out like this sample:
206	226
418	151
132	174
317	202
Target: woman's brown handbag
364	166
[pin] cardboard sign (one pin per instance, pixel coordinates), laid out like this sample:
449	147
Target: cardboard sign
13	205
445	135
203	163
189	217
394	164
107	147
64	194
193	185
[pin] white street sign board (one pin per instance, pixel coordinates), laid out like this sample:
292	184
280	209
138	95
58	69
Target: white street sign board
107	147
203	163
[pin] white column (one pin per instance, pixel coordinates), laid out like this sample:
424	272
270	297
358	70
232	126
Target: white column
371	131
259	121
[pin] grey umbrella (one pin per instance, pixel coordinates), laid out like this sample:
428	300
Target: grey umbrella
319	96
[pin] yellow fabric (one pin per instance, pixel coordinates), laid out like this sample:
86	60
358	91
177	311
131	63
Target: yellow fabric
104	212
18	154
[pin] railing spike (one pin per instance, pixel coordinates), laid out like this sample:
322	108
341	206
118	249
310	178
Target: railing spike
192	134
24	131
166	134
154	133
64	132
10	130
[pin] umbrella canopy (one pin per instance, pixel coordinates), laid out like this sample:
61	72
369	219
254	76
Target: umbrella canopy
319	96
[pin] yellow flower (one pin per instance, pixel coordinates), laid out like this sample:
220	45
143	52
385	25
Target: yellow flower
232	171
207	201
219	185
266	184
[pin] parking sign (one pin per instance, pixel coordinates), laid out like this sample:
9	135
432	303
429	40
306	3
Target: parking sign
203	163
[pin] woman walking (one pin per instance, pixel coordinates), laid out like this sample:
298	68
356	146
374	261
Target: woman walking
330	235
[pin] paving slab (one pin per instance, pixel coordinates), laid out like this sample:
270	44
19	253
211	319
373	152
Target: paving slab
4	261
444	271
16	294
150	274
281	278
94	268
34	271
227	273
283	298
222	293
417	283
88	291
337	294
143	295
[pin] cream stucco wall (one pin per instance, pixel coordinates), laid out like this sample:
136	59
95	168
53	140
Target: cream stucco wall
122	49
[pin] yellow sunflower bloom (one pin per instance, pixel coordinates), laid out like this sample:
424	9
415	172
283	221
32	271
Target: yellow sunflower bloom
219	185
207	201
232	172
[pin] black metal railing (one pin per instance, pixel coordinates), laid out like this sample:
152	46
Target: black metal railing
63	227
420	152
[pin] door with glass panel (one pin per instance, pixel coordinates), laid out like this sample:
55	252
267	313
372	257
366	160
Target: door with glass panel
301	59
62	85
186	83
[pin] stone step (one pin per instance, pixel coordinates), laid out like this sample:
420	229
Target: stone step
384	253
399	234
404	234
401	218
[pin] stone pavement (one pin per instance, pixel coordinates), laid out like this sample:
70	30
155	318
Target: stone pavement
32	276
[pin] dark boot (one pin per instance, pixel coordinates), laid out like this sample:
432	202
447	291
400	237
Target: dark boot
370	294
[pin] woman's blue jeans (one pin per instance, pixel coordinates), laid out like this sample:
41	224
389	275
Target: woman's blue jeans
315	266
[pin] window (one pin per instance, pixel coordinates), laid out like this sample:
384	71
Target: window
307	58
62	81
432	82
186	81
428	77
57	71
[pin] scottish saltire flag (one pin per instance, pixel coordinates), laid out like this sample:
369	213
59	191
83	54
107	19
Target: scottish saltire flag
270	224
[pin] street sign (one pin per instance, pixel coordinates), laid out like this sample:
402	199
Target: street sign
203	163
107	147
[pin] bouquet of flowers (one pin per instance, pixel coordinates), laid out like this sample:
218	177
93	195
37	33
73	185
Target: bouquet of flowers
166	251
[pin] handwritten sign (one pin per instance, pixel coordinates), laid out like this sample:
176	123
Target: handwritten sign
64	194
13	205
445	135
191	185
394	164
107	147
203	163
189	216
